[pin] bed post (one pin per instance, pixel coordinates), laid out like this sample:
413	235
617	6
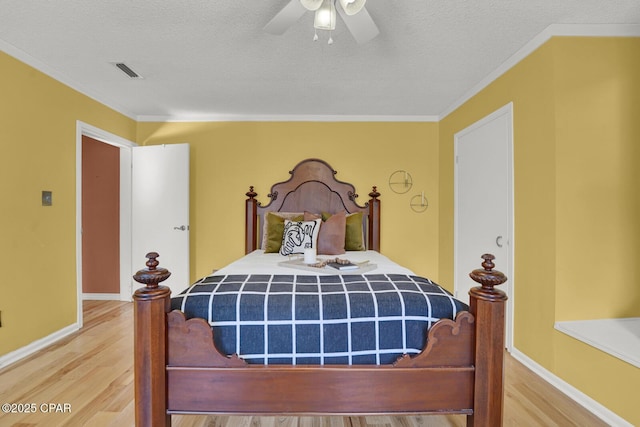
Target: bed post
374	221
488	306
250	226
151	304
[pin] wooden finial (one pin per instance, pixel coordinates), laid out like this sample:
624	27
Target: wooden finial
152	276
486	276
374	193
251	194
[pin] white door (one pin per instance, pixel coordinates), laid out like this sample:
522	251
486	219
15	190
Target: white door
160	210
483	202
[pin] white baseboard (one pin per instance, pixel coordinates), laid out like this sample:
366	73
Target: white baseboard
37	345
597	409
100	297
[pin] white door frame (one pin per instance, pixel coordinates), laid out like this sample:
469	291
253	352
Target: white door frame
125	207
509	318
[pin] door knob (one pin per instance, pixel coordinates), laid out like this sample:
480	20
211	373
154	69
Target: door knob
499	241
181	228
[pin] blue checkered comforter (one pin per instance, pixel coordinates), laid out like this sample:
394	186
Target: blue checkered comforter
299	319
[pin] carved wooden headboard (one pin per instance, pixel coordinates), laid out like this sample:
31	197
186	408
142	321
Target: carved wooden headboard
312	187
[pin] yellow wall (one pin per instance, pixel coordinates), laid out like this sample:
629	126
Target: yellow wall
598	183
226	158
597	208
38	245
576	105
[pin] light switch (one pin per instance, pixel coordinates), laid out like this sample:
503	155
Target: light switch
47	199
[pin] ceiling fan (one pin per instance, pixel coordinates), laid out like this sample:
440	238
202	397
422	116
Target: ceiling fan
352	12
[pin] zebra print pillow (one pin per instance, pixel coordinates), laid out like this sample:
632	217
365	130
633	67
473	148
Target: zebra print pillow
299	235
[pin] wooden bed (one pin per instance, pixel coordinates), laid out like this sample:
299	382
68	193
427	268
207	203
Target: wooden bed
178	370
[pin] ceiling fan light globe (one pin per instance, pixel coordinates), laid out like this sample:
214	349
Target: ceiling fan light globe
325	18
311	4
351	7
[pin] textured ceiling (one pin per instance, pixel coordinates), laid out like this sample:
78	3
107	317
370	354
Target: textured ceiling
207	59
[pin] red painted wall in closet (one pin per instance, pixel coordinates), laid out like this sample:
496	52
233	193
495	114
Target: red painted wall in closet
100	217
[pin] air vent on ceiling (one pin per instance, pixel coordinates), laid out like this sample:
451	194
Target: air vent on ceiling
128	71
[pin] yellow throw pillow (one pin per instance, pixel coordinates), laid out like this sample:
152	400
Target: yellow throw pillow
274	228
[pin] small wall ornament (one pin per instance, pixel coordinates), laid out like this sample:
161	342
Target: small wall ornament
400	182
419	203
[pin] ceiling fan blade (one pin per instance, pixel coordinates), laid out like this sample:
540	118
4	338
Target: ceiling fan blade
361	25
285	18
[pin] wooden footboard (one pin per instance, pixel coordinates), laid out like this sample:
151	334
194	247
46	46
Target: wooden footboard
229	385
179	370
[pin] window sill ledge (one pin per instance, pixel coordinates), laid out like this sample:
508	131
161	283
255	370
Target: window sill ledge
617	337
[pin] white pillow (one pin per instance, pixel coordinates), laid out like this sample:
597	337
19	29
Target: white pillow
299	235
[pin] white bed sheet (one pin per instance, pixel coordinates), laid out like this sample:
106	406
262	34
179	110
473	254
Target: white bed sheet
259	262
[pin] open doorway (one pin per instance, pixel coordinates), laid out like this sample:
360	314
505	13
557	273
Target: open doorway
100	220
124	215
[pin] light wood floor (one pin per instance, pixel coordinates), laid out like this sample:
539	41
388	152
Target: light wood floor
92	373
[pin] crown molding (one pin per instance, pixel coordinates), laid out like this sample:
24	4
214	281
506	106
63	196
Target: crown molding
284	118
24	57
62	78
554	30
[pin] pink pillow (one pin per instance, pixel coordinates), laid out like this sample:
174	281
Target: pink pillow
332	233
